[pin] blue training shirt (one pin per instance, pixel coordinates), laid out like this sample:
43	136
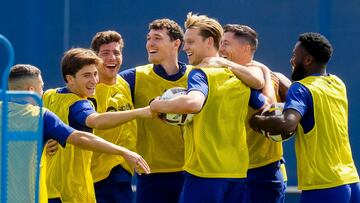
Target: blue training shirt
130	75
55	128
198	81
299	98
78	112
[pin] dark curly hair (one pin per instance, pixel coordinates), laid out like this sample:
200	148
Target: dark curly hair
174	30
317	45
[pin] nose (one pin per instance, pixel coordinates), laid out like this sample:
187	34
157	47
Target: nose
221	48
149	43
112	56
185	47
95	78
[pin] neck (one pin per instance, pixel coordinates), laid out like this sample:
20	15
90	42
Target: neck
74	91
316	69
107	80
171	67
246	59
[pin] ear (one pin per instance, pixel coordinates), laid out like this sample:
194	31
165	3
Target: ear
69	78
308	60
177	43
247	48
30	88
210	41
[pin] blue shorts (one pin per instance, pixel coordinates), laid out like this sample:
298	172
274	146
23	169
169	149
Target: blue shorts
349	193
267	181
159	187
115	188
210	190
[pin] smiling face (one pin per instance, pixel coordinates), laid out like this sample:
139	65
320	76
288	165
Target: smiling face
195	46
111	54
234	49
84	82
160	47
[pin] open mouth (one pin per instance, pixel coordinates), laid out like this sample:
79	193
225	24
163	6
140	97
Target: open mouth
90	88
152	51
111	66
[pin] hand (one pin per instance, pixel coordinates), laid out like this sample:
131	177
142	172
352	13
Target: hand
137	162
51	147
154	104
146	112
275	81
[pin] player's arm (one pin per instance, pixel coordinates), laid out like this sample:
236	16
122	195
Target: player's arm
284	84
91	142
113	119
268	90
250	75
285	123
56	129
105	120
192	102
296	105
184	104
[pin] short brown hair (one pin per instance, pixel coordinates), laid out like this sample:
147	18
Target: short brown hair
106	37
173	29
244	32
19	72
209	27
75	59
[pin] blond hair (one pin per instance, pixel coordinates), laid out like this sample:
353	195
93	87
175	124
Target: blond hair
208	27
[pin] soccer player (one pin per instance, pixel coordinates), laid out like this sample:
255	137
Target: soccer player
26	77
160	144
216	154
112	174
69	176
264	176
317	106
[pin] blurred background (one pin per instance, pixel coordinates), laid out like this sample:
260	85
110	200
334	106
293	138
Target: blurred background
41	31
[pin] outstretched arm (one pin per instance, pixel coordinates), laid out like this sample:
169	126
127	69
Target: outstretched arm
189	103
92	142
113	119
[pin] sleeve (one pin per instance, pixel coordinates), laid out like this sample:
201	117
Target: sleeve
197	81
257	99
56	129
129	76
80	110
297	98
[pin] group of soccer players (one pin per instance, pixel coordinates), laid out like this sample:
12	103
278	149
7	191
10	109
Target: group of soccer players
217	157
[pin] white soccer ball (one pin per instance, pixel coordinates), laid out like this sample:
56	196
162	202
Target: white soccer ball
274	110
175	119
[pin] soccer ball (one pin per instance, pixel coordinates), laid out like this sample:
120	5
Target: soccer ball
274	110
175	119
